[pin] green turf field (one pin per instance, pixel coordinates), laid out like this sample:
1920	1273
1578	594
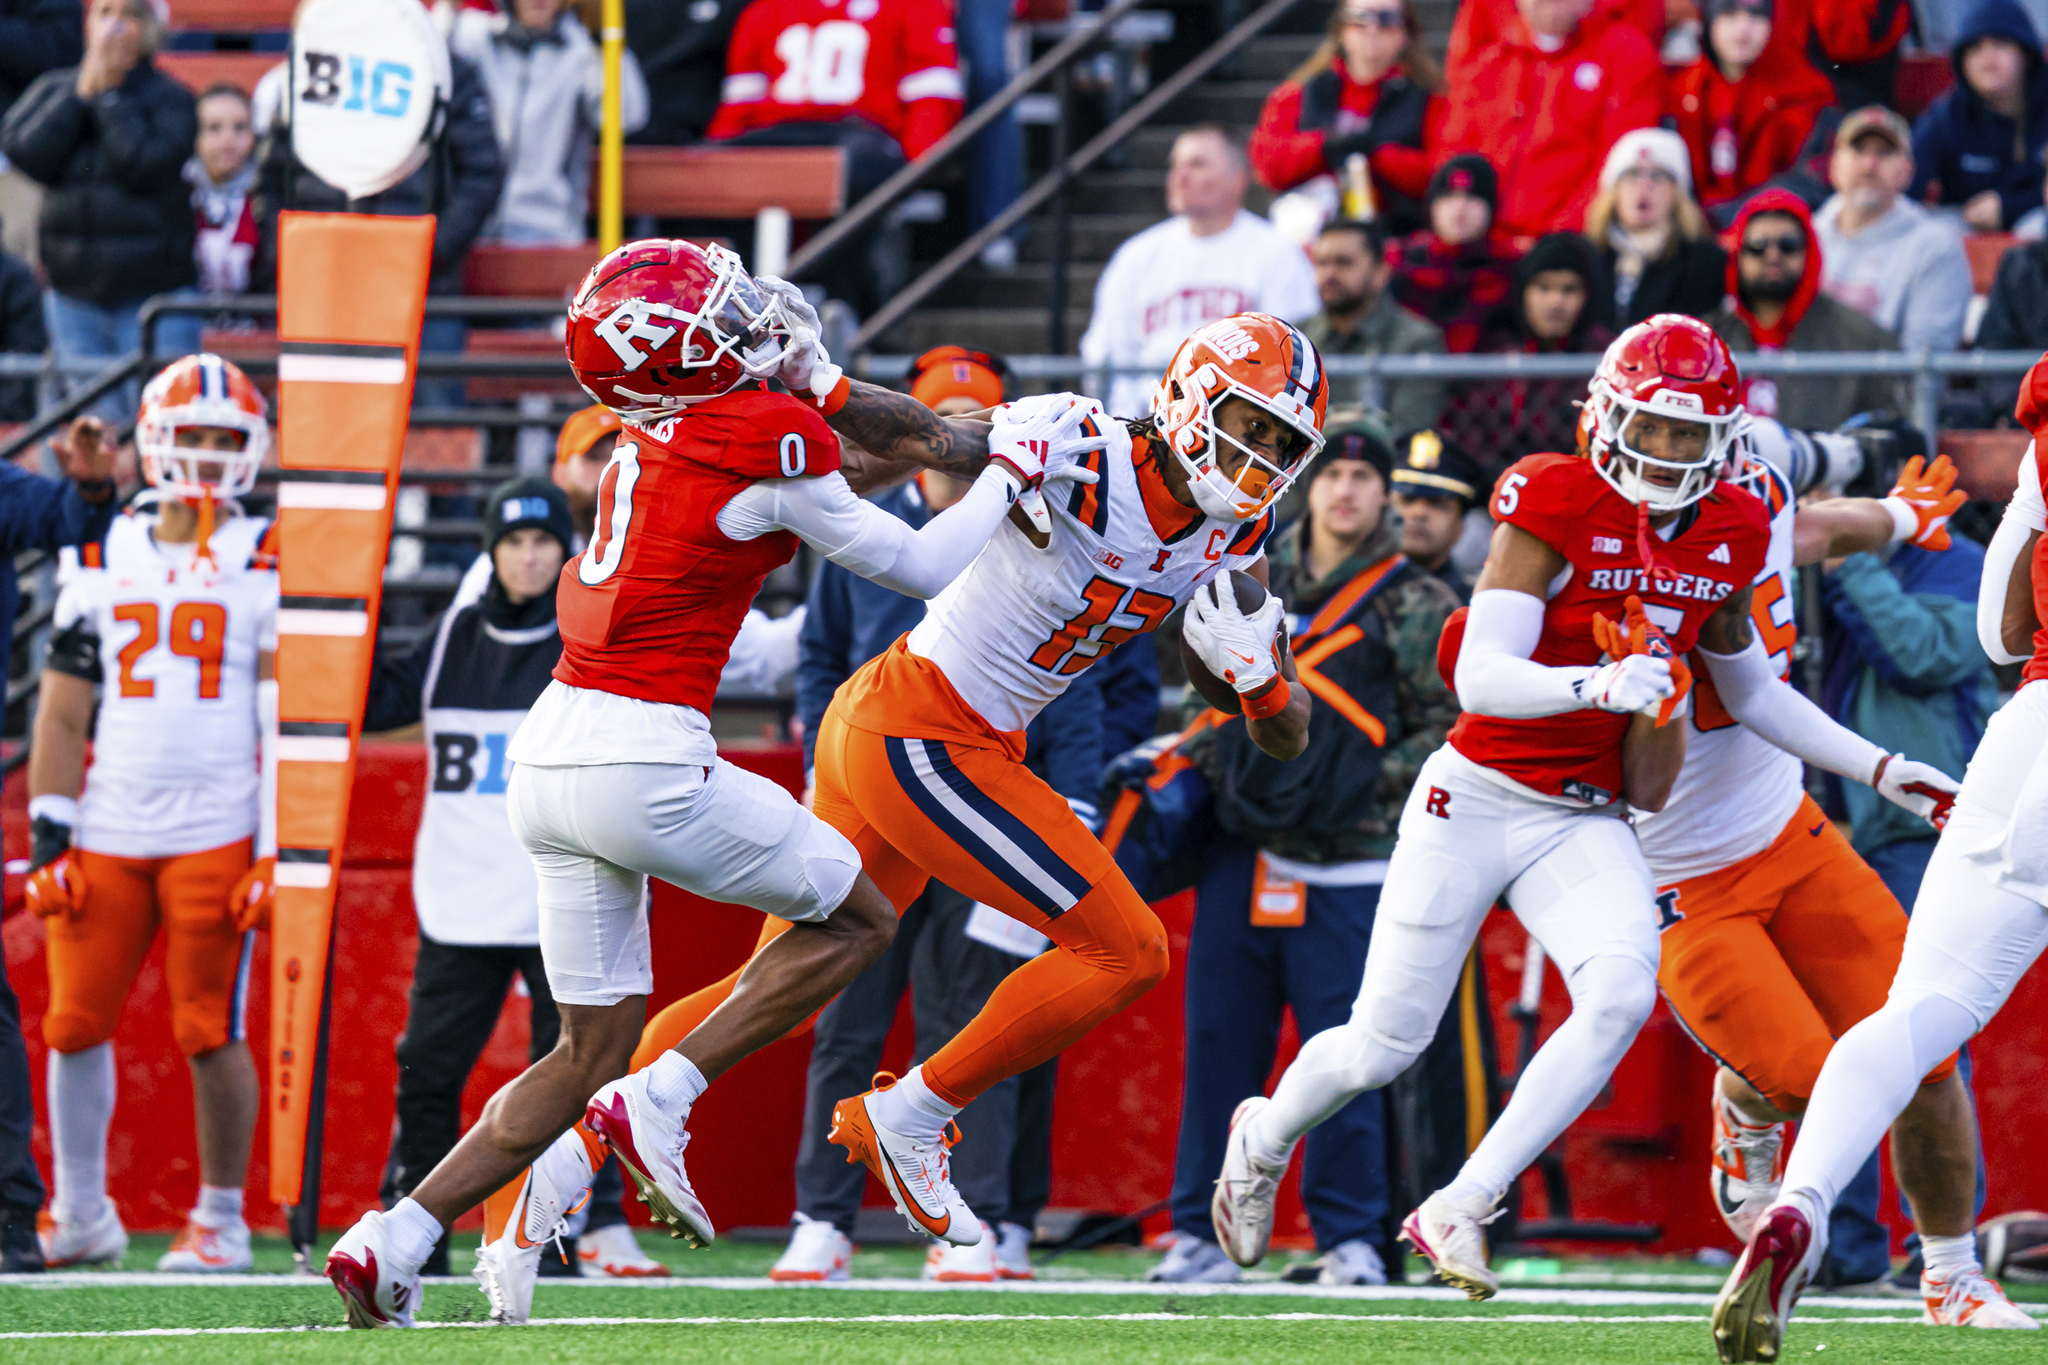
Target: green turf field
1089	1307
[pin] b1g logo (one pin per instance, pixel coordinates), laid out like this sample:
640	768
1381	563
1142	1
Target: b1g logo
455	756
354	85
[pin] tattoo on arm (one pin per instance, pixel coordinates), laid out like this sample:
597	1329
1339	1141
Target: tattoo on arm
1729	630
895	426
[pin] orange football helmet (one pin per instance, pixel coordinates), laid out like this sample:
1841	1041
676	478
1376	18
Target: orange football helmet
1270	365
202	391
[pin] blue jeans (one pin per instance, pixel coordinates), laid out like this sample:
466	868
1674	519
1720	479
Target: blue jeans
995	159
1859	1246
1240	978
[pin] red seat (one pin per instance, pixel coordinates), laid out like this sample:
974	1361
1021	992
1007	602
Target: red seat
1987	462
1985	249
1923	79
526	272
232	16
198	70
709	181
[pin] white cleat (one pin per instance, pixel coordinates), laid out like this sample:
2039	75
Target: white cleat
614	1253
1013	1252
1450	1235
649	1144
100	1241
1242	1209
950	1264
376	1287
918	1175
1746	1167
1354	1262
527	1220
817	1252
201	1250
1972	1299
1190	1260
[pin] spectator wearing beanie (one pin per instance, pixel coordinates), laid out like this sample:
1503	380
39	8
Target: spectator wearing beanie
1901	265
1558	307
1360	317
1661	256
1368	90
1456	272
1546	101
1775	303
1981	144
1435	485
1746	106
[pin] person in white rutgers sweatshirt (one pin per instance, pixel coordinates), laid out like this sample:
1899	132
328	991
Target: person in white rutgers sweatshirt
1211	260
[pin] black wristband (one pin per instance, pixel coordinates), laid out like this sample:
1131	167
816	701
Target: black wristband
48	840
95	491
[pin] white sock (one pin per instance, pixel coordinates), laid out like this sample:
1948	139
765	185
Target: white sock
674	1083
218	1207
910	1108
414	1232
80	1086
1947	1257
1332	1069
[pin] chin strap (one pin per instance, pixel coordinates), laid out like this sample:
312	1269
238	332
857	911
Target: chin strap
1662	573
204	549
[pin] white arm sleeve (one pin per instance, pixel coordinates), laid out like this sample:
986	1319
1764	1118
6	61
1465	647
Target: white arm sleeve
862	537
2025	514
1495	676
266	747
1780	713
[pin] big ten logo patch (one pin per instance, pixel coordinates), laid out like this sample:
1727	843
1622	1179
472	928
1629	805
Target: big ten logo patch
353	83
456	760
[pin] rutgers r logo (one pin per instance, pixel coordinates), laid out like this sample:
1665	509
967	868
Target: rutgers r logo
1438	804
632	319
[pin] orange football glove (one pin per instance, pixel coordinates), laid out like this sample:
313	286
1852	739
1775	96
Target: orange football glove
1928	493
57	887
251	900
1638	634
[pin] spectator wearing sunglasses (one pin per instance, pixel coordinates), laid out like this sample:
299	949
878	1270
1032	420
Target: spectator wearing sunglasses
1776	304
1367	90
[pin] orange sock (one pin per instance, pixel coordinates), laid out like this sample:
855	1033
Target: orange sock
501	1204
1111	950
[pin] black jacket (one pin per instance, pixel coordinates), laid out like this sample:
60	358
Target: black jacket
1691	280
481	668
21	333
37	36
2015	318
680	45
117	221
459	185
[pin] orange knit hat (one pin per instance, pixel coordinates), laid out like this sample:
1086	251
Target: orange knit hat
949	371
583	430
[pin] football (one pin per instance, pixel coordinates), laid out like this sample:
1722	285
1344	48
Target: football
1251	595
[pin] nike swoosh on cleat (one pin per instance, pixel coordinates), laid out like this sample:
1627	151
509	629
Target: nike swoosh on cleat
937	1227
1721	1195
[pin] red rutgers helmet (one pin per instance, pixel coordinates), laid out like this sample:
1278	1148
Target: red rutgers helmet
1669	366
1267	363
659	325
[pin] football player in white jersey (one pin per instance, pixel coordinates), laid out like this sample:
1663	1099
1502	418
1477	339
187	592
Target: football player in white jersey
1977	925
172	828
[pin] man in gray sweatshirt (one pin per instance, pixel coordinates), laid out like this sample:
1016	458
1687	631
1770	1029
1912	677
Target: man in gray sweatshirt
1882	254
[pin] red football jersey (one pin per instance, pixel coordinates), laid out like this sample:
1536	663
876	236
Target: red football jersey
891	62
1719	548
2037	667
649	610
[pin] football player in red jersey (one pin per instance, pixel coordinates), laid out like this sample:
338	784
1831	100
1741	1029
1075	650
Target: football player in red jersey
712	484
1556	740
1976	928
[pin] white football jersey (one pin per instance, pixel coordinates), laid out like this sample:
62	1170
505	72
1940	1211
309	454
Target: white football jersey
174	758
1736	790
1012	631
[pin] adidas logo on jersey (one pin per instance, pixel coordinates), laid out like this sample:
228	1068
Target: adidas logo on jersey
1720	554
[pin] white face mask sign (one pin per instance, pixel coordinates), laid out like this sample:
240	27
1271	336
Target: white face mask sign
369	86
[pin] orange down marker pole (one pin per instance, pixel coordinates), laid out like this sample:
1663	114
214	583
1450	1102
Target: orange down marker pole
351	296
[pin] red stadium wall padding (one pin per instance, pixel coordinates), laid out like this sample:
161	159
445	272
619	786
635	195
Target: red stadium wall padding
1638	1156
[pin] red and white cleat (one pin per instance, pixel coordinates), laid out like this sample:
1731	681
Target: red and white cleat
1754	1306
649	1144
1972	1299
917	1174
376	1288
1450	1236
1241	1210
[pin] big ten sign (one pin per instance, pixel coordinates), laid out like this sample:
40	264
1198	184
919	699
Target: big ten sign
369	86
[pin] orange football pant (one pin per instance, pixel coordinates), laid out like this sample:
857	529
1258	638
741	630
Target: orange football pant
95	952
984	824
1773	959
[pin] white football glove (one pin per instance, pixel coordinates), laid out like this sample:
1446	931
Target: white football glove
1235	647
806	368
1637	682
1038	439
1921	788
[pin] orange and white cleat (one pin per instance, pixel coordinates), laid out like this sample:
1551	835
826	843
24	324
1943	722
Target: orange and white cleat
817	1252
613	1253
917	1174
1750	1315
1013	1252
1745	1169
1972	1299
201	1250
524	1221
949	1264
101	1241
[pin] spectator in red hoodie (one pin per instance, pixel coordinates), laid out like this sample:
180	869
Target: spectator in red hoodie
1457	272
877	77
1545	102
1746	106
1480	24
1368	90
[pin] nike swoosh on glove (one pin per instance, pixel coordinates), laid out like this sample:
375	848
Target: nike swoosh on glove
806	367
1921	788
1923	500
251	901
57	887
1637	636
1235	647
1036	439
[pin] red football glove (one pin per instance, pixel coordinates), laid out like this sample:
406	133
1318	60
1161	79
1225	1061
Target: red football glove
1638	634
57	887
250	902
1930	494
